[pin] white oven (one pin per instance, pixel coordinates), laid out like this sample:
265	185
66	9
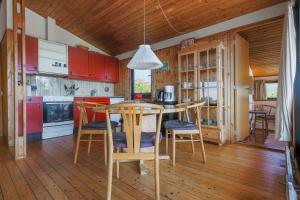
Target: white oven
57	116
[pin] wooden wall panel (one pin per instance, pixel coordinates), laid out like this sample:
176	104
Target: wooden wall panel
159	78
123	87
7	87
1	112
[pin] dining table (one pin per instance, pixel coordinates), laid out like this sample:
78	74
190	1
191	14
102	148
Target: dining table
142	168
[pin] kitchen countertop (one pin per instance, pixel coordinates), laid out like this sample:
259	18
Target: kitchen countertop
102	96
85	96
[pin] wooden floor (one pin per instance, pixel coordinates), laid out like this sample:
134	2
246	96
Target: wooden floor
231	172
270	142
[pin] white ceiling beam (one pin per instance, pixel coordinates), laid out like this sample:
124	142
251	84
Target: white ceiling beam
250	18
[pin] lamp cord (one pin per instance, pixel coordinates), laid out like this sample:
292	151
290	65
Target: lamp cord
167	19
144	21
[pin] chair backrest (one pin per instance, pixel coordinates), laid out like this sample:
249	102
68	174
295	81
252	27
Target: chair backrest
195	109
271	109
132	115
86	108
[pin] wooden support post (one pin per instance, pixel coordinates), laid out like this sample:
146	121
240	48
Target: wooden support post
19	78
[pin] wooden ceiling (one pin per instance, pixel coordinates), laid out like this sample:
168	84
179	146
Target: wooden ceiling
265	46
116	26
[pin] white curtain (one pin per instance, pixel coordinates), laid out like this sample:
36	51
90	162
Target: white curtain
287	71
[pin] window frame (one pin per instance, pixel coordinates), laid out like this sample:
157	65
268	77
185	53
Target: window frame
270	82
144	95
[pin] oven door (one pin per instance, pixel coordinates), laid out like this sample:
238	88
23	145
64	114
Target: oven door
57	112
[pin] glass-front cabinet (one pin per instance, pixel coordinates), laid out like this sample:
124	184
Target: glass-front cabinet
201	78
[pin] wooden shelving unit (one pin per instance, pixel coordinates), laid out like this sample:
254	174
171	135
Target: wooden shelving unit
207	80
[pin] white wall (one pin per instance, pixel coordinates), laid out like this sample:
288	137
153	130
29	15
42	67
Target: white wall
36	26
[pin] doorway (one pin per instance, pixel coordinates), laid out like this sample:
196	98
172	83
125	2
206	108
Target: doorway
264	58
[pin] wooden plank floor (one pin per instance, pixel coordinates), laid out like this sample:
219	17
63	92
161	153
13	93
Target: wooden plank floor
231	172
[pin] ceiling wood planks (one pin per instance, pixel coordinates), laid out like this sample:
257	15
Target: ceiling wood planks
117	26
265	46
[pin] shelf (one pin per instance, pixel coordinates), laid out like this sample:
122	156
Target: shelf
187	71
208	68
188	88
212	87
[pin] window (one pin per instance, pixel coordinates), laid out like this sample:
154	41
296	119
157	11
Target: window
271	90
142	81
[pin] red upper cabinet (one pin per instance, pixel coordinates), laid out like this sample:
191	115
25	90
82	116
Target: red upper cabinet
112	69
78	62
103	68
97	66
31	54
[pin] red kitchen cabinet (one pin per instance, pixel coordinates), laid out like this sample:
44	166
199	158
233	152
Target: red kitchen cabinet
31	54
99	116
34	116
78	63
97	69
112	69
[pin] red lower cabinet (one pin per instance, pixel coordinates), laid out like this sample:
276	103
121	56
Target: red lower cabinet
99	116
34	116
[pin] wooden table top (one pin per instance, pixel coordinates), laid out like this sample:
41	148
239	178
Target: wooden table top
165	111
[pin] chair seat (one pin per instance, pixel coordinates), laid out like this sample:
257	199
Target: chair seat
99	125
179	125
147	139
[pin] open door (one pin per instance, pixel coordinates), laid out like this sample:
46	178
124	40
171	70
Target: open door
242	83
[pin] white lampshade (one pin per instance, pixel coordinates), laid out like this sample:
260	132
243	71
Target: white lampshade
144	58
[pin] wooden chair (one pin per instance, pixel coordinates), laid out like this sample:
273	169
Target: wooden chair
133	139
264	119
186	129
91	127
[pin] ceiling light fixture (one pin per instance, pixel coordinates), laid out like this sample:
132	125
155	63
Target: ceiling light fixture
144	58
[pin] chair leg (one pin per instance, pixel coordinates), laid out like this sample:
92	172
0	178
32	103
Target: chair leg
202	147
254	129
174	148
105	147
90	143
109	182
77	147
167	141
118	164
157	189
192	140
267	129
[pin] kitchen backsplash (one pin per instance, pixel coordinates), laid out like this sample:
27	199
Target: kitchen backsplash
55	86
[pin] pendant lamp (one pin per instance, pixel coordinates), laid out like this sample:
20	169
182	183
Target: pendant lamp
144	58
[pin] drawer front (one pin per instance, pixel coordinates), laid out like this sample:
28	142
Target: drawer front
211	134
